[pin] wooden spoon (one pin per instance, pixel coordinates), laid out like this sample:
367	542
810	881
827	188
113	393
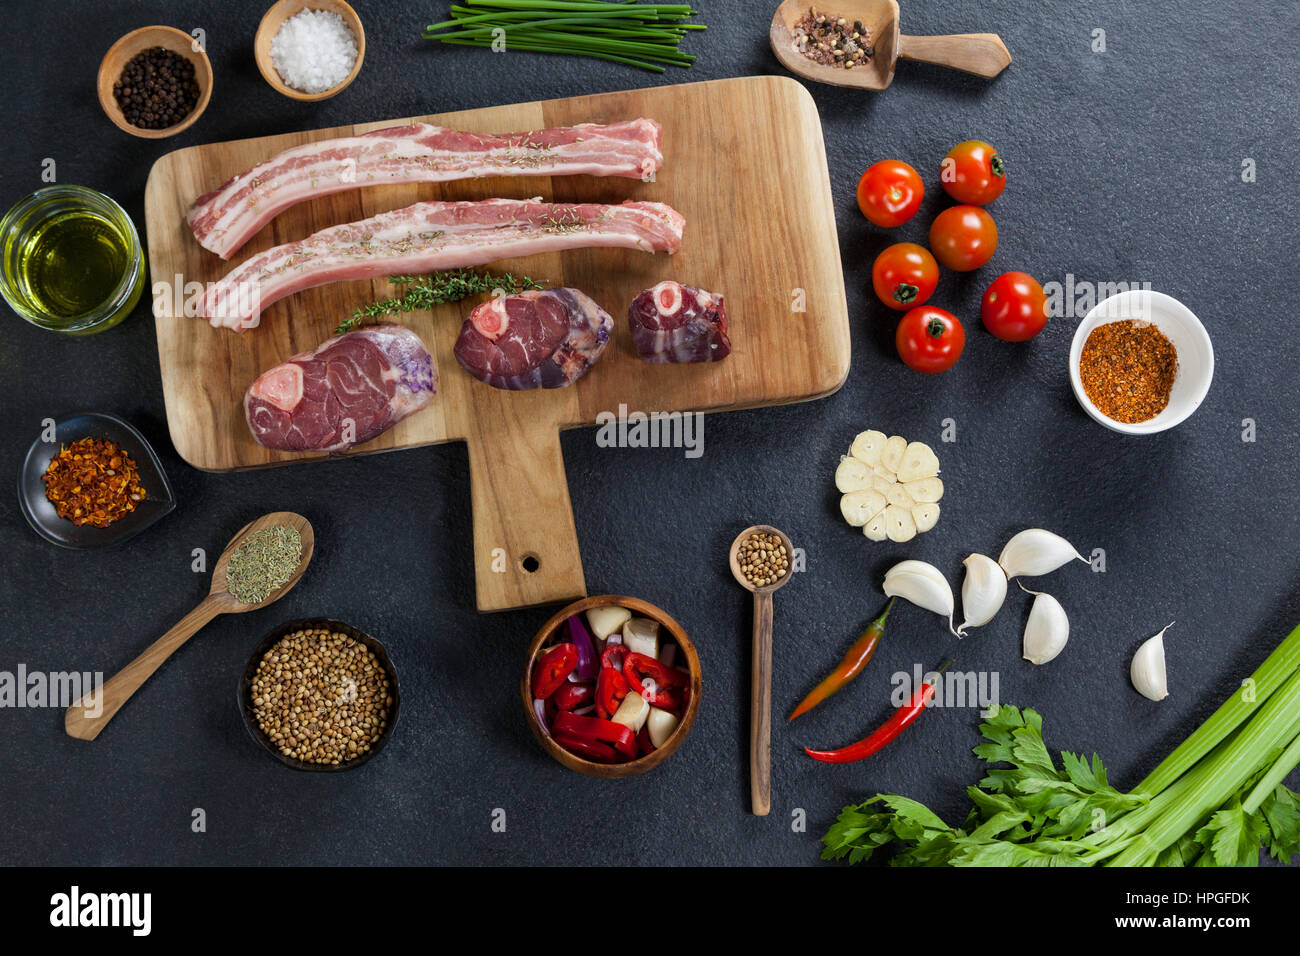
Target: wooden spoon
119	688
760	687
983	54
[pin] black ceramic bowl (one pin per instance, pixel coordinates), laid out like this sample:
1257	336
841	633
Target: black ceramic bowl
246	697
45	521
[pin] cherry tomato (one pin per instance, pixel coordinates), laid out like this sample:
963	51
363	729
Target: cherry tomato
963	238
1014	307
889	193
904	275
930	340
973	173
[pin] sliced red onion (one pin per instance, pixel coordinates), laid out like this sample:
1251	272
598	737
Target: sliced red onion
539	708
588	661
584	711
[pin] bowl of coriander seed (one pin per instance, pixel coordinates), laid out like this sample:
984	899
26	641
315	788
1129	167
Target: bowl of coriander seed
319	695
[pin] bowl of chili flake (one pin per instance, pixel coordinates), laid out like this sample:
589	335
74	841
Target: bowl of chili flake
92	480
1141	362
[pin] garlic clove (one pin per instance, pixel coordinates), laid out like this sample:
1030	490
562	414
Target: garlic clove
852	475
867	447
1147	671
875	528
899	524
1034	551
859	507
926	517
926	490
923	585
892	455
1047	629
919	461
982	592
898	497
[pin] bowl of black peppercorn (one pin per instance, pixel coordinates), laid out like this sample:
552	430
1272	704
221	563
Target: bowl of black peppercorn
155	82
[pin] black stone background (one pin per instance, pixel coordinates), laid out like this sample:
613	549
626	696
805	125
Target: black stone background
1124	165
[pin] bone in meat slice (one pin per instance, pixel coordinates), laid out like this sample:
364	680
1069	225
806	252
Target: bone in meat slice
433	236
344	392
533	339
679	323
226	218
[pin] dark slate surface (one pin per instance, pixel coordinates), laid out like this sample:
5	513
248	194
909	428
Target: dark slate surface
1124	165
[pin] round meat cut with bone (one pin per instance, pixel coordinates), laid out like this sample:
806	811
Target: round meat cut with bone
535	339
344	392
672	322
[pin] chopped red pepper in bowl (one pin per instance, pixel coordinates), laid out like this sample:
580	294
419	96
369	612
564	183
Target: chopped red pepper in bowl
641	702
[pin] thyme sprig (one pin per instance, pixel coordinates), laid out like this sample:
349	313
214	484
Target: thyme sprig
424	292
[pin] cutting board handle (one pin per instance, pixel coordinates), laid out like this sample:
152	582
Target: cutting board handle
983	54
525	544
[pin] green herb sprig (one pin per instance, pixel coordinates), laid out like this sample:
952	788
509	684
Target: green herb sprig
424	292
643	35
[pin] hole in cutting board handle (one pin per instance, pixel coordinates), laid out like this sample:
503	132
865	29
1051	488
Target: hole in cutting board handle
530	563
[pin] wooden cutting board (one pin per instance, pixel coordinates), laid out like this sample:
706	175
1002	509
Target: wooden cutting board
744	162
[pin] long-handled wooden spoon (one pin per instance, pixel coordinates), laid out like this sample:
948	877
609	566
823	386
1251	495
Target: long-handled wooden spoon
760	686
983	54
87	717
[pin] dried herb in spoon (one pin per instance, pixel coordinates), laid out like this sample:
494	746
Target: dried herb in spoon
263	562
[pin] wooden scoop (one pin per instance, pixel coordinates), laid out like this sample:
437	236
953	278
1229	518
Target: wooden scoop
760	686
983	54
119	688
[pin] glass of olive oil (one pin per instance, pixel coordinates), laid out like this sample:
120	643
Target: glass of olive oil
72	260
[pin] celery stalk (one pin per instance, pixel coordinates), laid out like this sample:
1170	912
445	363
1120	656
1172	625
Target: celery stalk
1223	774
1268	677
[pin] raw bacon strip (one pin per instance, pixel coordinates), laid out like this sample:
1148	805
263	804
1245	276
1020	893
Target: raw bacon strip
679	323
533	339
344	392
432	236
228	217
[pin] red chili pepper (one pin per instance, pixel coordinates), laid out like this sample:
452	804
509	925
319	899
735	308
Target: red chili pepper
670	684
611	688
643	742
553	669
574	696
590	749
595	730
882	735
613	656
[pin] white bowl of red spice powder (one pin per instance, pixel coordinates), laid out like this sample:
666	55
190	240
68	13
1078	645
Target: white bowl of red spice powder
1141	362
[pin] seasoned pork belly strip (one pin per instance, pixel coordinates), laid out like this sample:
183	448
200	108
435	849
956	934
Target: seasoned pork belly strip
430	237
228	217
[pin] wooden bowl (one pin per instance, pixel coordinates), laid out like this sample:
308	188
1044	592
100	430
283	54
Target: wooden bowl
135	42
547	634
270	26
250	672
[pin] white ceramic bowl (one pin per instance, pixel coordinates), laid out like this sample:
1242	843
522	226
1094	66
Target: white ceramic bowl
1181	327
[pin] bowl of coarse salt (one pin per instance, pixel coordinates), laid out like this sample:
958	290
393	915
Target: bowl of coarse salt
309	49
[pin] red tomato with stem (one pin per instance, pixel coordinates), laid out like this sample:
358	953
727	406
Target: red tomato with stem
963	238
930	340
973	173
1014	307
890	192
904	275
